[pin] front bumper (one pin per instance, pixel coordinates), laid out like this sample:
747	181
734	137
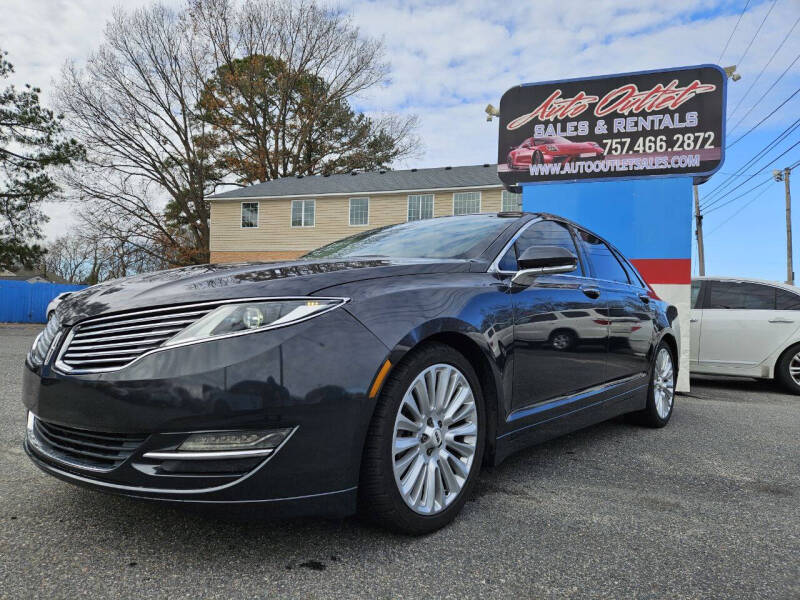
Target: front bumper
312	377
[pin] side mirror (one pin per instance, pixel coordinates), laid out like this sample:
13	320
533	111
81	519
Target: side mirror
543	260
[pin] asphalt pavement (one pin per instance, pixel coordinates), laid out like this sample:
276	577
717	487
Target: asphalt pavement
708	507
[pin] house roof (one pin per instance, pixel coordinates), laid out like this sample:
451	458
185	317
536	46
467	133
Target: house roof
370	182
31	276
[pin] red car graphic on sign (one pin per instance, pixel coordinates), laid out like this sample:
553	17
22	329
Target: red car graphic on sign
551	149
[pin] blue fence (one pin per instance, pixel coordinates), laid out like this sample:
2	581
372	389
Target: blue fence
23	302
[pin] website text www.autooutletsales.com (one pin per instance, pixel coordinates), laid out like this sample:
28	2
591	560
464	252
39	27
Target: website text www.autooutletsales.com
616	165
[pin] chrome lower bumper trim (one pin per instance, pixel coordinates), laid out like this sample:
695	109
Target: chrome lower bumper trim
218	455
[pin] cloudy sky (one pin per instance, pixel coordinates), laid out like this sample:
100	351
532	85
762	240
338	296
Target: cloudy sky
450	58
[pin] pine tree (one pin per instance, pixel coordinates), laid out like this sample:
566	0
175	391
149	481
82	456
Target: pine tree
32	143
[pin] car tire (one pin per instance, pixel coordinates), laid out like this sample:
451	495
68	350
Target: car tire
424	457
562	340
661	391
510	162
783	369
537	158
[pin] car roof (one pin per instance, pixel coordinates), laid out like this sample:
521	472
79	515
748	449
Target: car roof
778	284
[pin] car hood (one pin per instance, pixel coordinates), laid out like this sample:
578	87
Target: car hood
206	283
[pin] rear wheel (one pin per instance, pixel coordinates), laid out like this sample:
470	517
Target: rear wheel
661	393
510	162
787	371
562	340
425	443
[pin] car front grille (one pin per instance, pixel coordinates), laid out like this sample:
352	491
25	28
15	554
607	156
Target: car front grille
91	450
111	342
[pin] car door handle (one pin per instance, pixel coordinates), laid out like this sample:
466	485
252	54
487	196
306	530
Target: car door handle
644	298
781	321
693	320
590	291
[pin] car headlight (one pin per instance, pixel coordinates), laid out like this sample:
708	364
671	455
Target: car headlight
246	317
44	341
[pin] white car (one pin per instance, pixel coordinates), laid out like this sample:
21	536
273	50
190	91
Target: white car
746	328
51	307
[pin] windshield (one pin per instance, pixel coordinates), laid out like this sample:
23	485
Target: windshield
448	237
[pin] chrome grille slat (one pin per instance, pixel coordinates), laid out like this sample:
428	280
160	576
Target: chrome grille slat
117	324
76	353
166	309
89	345
104	452
146	326
127	358
111	342
78	337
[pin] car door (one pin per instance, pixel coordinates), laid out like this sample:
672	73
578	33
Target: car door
560	338
741	326
629	314
695	321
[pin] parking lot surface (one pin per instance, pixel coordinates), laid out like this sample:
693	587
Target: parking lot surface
708	507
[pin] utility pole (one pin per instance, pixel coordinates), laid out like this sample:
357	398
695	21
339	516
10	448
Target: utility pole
698	219
784	176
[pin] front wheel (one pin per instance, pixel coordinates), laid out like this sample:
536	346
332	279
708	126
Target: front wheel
661	392
537	158
787	371
425	443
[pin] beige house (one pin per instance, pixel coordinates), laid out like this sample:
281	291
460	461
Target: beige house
285	218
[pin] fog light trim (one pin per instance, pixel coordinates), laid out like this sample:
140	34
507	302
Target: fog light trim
219	454
266	443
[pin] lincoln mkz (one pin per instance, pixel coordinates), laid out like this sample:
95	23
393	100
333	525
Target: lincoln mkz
378	373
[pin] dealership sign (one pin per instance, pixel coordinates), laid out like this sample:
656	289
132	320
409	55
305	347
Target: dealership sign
665	123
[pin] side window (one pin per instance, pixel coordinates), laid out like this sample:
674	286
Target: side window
543	233
740	295
695	293
785	300
605	263
633	274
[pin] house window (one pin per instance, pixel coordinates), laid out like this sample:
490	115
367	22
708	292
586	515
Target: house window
303	213
511	202
420	206
359	211
249	214
466	203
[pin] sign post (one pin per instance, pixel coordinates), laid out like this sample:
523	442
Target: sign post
620	154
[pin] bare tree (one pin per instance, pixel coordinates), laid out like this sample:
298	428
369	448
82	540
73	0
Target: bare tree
133	106
67	257
177	103
279	99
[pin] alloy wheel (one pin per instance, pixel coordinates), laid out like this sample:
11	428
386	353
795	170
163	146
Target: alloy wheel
794	368
435	439
664	383
562	341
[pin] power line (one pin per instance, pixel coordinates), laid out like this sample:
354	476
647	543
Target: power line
735	27
765	118
758	155
708	207
764	68
749	178
757	196
769	146
755	187
769	89
755	35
